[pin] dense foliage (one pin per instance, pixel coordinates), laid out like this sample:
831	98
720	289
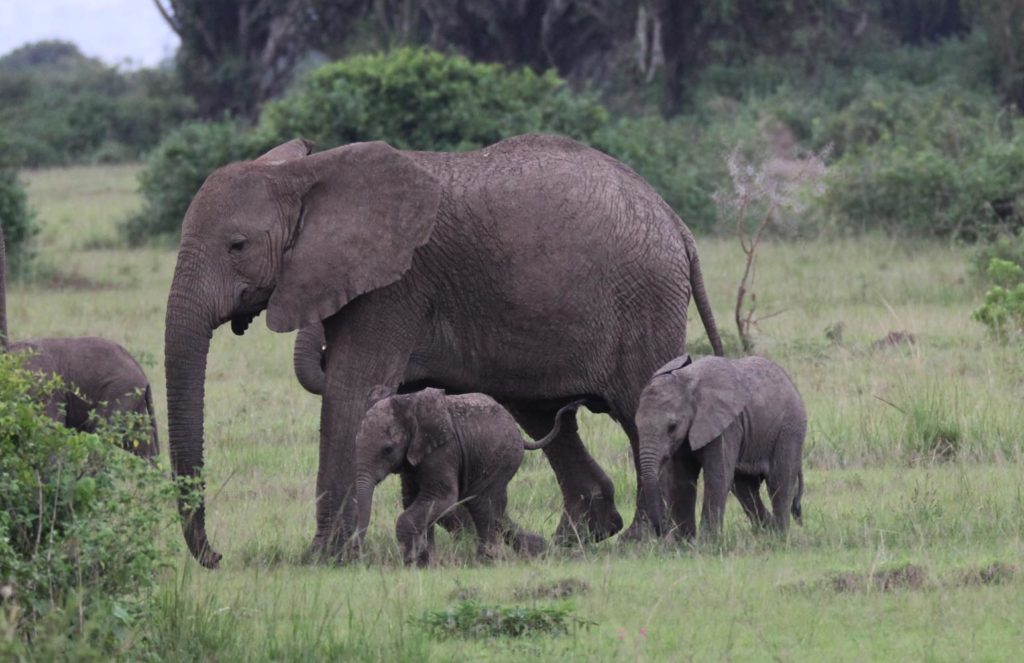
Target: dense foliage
16	218
418	99
58	106
79	519
1003	309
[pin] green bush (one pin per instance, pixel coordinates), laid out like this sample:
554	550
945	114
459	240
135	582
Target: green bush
1003	309
176	169
79	525
16	218
424	100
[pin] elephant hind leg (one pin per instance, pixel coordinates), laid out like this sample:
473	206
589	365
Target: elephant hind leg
784	479
587	492
747	489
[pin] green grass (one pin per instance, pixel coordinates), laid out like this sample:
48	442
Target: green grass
877	497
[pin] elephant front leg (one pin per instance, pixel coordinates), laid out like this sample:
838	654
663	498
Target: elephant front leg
367	350
719	469
414	528
587	492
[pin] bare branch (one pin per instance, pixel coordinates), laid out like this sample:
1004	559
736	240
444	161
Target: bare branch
171	21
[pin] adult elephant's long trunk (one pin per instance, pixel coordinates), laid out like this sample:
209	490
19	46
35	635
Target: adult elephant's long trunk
187	333
364	500
565	414
308	358
650	488
700	296
3	292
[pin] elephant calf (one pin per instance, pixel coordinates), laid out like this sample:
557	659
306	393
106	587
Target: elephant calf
740	421
102	379
449	450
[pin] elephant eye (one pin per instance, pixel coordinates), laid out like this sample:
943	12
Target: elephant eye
672	427
237	245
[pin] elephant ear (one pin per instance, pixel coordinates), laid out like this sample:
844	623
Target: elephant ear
719	396
679	362
426	415
293	149
363	211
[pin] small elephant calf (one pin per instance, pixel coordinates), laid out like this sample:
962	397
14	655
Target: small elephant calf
449	450
740	421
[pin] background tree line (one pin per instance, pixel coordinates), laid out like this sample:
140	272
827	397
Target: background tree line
919	99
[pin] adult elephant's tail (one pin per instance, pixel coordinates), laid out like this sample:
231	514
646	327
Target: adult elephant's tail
565	414
700	296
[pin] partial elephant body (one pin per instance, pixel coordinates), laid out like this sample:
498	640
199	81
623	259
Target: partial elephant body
102	380
536	270
740	422
451	451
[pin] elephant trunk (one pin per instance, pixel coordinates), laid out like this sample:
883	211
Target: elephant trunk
154	437
308	358
3	292
567	413
650	487
187	333
364	500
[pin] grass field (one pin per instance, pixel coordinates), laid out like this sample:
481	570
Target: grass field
909	550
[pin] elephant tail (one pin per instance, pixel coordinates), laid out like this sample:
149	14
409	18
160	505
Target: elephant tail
700	296
796	510
566	413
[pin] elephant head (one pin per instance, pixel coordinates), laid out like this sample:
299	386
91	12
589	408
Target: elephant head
397	431
296	234
685	403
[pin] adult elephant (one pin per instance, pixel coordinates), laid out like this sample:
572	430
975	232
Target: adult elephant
537	270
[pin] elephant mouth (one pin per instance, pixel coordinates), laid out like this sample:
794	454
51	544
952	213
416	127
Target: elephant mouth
241	322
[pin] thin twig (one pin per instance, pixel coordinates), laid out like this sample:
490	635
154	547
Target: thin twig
891	404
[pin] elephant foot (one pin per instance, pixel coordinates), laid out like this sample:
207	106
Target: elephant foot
591	520
639	530
457	521
528	543
321	551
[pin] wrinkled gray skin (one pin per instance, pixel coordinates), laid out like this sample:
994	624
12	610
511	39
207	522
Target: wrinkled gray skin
536	270
449	451
102	378
739	421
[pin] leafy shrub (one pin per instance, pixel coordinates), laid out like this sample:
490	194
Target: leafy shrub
16	218
470	619
424	100
1007	246
176	169
967	187
1003	309
79	519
